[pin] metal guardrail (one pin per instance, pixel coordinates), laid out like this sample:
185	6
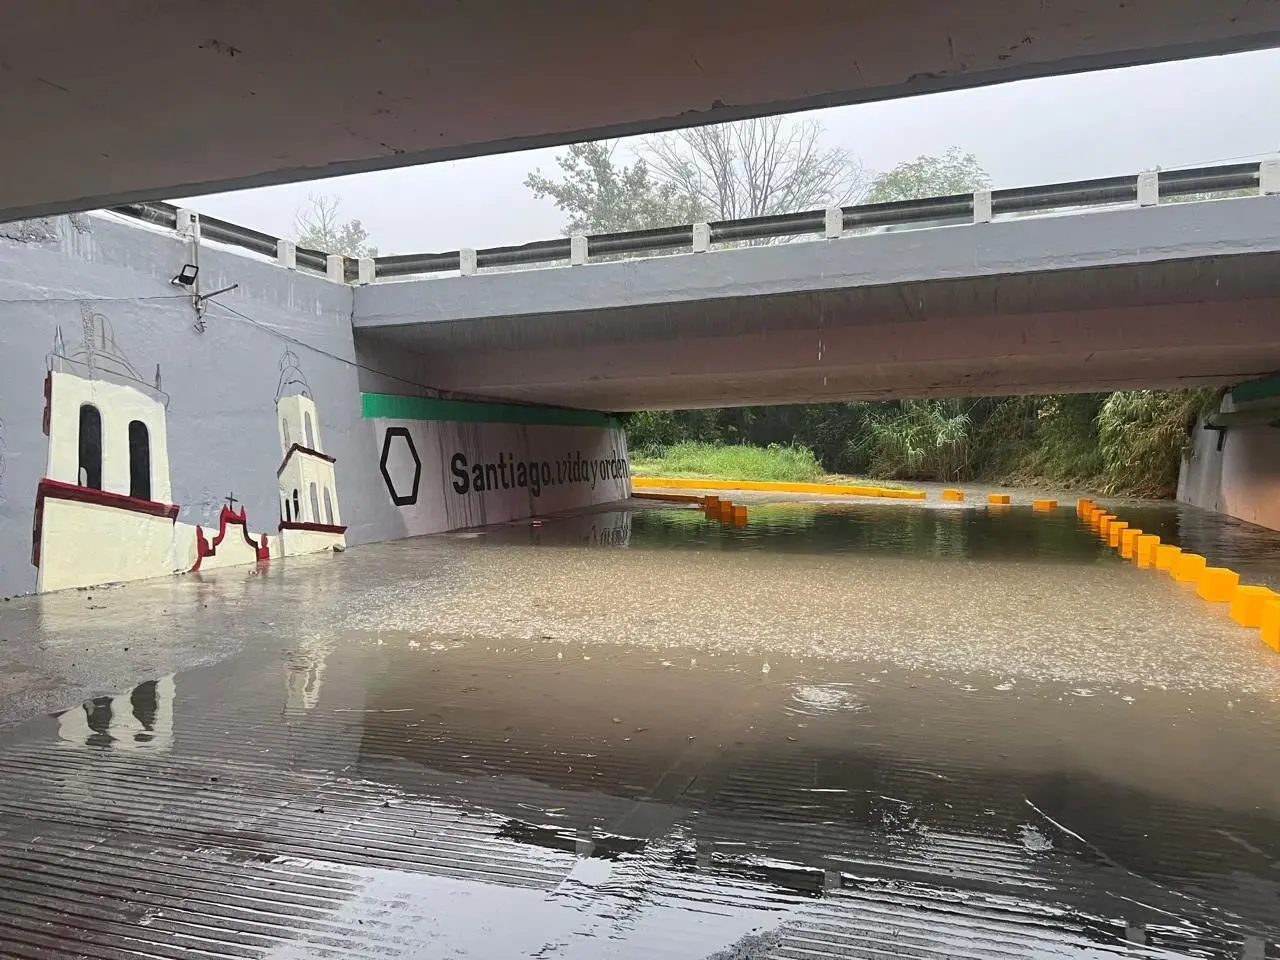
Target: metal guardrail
1263	177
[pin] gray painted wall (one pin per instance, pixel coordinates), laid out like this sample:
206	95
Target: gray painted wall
57	274
221	383
1242	479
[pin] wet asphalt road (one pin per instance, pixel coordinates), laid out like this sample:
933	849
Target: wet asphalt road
842	732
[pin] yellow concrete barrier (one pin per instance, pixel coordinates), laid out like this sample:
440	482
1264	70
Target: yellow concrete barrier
952	494
711	504
1104	525
1145	550
1186	569
998	499
1247	604
1269	623
1114	531
1128	536
739	514
770	486
1083	505
1217	584
1044	505
1166	556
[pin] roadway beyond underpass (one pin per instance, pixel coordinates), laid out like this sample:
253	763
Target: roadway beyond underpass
856	729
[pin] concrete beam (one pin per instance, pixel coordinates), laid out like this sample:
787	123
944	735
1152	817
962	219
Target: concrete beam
113	103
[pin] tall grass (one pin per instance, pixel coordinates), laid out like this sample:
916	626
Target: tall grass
788	464
1143	436
920	439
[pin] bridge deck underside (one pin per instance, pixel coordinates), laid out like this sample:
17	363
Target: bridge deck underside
1208	320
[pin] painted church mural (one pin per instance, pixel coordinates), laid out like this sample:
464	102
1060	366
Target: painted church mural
104	509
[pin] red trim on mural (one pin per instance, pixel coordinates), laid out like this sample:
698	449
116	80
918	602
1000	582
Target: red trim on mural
299	448
48	402
58	490
261	550
315	527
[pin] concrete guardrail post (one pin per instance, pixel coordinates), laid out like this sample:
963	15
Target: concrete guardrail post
835	223
287	254
366	270
577	250
335	268
1148	188
701	237
1269	176
467	261
982	206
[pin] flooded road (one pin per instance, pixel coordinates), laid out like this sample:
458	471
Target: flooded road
857	730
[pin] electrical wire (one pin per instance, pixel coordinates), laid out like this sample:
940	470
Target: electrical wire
267	328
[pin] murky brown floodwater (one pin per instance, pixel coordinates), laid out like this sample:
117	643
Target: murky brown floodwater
848	731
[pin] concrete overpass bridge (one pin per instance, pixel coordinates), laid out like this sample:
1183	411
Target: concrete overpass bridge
1067	288
108	103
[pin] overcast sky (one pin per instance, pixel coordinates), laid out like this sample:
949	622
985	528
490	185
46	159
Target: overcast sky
1035	131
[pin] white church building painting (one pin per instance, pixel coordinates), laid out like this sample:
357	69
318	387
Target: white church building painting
104	510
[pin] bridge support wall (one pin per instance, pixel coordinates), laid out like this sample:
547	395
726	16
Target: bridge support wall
141	438
1239	477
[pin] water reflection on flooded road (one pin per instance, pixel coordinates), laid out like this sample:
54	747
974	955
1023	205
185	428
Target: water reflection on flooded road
841	731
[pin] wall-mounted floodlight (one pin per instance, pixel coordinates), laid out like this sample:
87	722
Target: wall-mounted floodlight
186	276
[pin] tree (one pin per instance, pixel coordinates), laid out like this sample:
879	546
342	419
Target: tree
599	195
754	168
955	172
319	228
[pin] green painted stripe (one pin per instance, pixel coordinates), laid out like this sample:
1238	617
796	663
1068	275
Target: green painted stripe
390	406
1258	389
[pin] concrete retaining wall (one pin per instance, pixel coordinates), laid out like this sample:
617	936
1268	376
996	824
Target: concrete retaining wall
251	431
1242	479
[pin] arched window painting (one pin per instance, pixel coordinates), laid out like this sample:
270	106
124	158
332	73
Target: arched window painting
139	460
297	507
90	447
328	507
311	437
284	431
315	505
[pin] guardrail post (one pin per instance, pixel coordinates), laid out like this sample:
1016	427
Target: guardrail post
366	270
1148	188
335	268
287	254
701	237
1269	176
577	250
467	261
982	206
835	223
188	224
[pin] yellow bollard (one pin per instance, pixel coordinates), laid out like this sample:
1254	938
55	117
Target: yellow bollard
1247	604
1083	505
1166	556
1186	569
1104	525
1217	584
1128	537
711	505
1269	623
1115	530
998	499
952	494
739	516
1044	505
726	511
1145	550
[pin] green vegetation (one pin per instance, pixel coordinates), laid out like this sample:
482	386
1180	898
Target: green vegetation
788	464
1128	443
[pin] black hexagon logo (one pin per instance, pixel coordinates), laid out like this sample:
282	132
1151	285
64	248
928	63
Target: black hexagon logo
398	498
